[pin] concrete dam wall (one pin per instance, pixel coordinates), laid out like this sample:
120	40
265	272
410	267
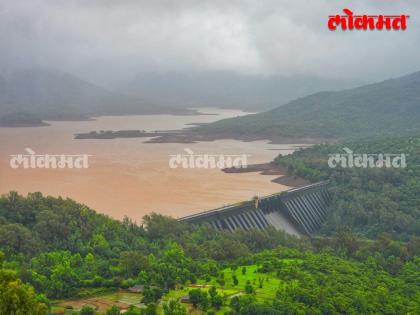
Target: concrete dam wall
297	211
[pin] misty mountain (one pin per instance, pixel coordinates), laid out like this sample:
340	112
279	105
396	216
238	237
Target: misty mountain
49	95
226	89
386	108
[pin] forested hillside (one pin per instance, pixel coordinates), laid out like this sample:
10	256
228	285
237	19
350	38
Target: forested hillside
65	250
368	200
387	108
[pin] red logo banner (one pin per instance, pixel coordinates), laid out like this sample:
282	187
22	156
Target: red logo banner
348	21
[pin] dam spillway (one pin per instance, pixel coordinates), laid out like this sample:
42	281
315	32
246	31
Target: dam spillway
297	211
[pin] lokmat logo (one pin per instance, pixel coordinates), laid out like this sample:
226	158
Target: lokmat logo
32	160
367	160
192	160
348	21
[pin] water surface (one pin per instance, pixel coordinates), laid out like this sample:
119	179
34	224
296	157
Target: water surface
127	177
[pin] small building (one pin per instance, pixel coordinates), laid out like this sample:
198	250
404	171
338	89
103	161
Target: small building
138	288
184	299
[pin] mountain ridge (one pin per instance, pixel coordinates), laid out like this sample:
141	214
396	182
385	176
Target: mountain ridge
38	94
375	109
226	89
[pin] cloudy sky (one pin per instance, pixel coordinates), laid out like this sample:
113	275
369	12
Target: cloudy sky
111	40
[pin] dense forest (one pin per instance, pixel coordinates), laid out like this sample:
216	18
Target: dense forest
368	200
56	249
387	108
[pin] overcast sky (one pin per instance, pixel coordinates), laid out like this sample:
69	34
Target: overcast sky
111	40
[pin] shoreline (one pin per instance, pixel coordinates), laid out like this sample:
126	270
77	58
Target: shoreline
44	122
24	125
270	168
192	136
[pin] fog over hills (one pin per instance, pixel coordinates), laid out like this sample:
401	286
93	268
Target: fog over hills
380	109
154	57
227	89
35	94
48	95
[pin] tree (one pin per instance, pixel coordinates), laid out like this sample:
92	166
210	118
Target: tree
241	303
16	238
158	225
132	262
235	280
151	295
260	282
244	270
87	310
89	266
100	245
113	310
204	301
16	297
132	311
235	304
173	307
199	298
249	289
195	297
212	292
64	281
217	301
345	242
150	309
221	279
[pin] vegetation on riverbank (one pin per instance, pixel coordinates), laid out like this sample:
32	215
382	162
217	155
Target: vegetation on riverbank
66	251
369	200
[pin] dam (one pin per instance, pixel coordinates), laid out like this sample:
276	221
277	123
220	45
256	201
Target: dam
298	211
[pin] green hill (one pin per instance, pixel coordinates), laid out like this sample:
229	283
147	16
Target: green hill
391	107
369	200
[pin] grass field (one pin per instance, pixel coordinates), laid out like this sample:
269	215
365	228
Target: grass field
269	283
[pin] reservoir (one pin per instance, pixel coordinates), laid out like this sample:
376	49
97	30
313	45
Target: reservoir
128	177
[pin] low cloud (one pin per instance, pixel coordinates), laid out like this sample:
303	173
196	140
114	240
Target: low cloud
107	41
